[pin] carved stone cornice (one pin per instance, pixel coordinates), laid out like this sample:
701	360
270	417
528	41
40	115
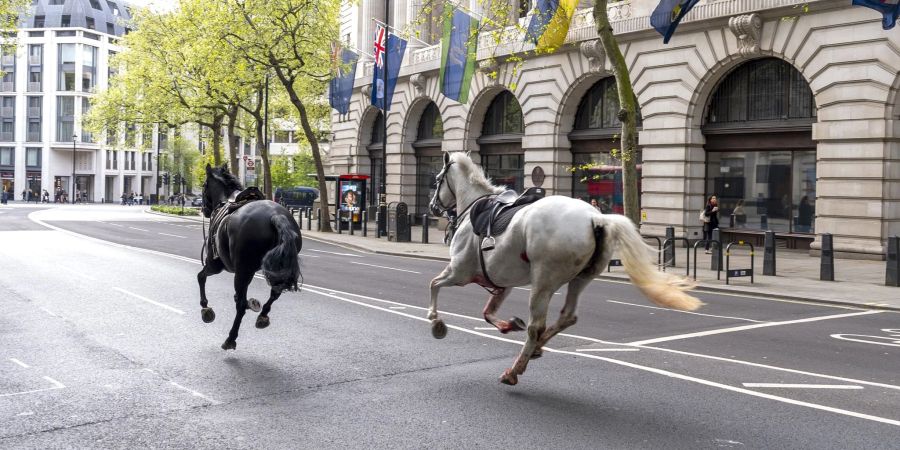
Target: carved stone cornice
747	28
594	52
419	81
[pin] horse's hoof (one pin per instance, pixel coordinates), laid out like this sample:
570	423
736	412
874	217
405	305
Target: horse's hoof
538	352
508	378
229	345
254	305
438	329
207	314
516	324
262	321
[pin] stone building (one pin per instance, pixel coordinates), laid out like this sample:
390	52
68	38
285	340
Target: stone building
790	117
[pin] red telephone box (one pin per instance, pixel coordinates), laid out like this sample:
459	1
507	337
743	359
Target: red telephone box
351	198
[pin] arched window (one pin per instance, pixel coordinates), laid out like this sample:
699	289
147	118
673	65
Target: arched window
376	157
760	156
501	142
596	168
429	158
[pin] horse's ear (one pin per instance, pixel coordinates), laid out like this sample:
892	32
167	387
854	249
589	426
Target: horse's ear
224	167
446	158
208	169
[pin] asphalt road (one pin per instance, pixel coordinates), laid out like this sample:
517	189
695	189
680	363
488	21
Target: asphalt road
102	346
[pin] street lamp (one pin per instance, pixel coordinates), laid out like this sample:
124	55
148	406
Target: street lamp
74	138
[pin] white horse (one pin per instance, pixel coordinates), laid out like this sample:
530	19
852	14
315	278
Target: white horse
554	241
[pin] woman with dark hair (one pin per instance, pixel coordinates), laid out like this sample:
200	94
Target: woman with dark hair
711	222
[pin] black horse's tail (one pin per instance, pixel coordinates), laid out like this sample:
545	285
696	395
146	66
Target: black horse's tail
280	265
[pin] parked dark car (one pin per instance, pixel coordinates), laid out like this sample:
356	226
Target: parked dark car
298	197
197	201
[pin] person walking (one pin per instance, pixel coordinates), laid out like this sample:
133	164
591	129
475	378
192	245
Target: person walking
710	216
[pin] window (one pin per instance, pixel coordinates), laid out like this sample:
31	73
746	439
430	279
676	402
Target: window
35	34
34	130
66	21
35	54
88	68
7	119
430	125
65	118
65	33
32	158
39	21
57	2
35	68
8	65
523	8
505	169
599	108
130	132
66	67
86	135
96	5
762	90
110	28
111	160
113	7
8	107
7	156
281	137
163	137
504	116
90	23
35	106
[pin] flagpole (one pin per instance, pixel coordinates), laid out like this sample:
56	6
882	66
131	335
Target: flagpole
382	194
388	27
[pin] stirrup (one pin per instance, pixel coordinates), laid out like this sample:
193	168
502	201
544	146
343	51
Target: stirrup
488	245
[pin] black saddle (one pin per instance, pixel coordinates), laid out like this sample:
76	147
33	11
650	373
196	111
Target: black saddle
491	215
250	194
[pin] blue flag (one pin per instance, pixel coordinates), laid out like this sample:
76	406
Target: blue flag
340	89
668	14
393	52
458	49
890	9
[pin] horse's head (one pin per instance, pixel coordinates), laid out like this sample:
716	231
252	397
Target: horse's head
217	187
444	196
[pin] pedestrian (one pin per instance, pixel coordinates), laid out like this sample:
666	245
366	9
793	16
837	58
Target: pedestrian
23	195
804	215
46	198
595	204
740	217
710	218
123	197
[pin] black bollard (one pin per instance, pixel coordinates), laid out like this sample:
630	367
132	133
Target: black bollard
731	221
769	254
377	223
425	228
669	251
350	222
715	262
827	269
318	219
309	218
892	275
764	221
337	221
365	223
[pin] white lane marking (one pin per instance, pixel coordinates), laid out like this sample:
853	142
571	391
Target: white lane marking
662	372
75	272
48	311
607	350
173	235
891	342
55	383
384	267
802	386
750	327
25	413
139	229
686	312
529	290
336	253
19	363
152	302
397	307
194	393
114	224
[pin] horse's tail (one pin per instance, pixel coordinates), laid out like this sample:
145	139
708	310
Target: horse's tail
280	264
663	289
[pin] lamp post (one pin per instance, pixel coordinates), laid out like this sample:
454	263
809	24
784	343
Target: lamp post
72	192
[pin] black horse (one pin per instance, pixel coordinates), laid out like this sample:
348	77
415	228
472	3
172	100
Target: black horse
245	236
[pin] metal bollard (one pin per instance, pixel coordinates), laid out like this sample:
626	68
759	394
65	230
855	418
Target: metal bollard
764	221
892	275
425	228
669	252
350	222
318	219
378	223
826	272
365	223
309	219
769	254
715	262
337	221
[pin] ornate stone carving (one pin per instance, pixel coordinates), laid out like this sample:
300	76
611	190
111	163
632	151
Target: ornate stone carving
747	28
419	81
595	53
367	92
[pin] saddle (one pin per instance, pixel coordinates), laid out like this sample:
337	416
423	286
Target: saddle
225	209
491	216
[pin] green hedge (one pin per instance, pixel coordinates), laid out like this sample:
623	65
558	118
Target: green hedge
176	210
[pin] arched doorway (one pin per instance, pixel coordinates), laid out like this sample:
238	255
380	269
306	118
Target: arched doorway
375	148
429	161
760	156
596	165
500	143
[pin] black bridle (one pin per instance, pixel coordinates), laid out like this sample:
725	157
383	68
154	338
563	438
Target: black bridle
437	193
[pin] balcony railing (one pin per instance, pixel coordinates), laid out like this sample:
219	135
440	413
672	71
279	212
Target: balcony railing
7	86
34	86
34	60
7	136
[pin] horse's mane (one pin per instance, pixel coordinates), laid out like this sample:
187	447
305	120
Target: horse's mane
476	174
230	181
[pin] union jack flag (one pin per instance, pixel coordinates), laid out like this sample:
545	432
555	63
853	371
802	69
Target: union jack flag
379	45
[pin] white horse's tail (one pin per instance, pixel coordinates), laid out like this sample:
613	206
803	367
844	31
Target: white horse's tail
663	289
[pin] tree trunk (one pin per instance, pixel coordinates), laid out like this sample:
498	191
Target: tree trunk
314	144
628	113
216	129
232	115
262	148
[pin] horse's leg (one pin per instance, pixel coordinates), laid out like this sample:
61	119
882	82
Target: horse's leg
262	320
445	278
241	283
567	316
539	302
212	267
490	309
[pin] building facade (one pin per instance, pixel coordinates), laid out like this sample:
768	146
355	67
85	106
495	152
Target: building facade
790	117
62	58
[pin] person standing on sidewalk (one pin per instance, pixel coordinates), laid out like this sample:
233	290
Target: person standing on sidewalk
711	212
